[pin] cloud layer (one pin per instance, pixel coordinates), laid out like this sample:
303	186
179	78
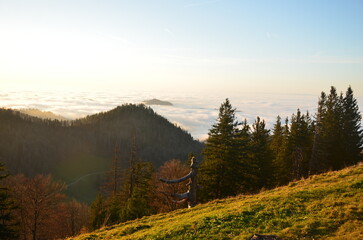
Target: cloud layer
193	112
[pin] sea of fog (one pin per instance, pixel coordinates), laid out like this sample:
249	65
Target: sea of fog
193	112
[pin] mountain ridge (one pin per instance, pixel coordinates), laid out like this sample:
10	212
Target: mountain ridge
34	112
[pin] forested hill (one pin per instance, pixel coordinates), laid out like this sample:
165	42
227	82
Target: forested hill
72	149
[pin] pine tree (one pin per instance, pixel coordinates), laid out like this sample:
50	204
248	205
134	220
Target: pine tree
220	172
283	157
137	190
318	157
300	142
139	203
352	132
276	137
327	151
333	131
113	203
113	209
278	146
98	213
247	167
338	138
8	225
261	154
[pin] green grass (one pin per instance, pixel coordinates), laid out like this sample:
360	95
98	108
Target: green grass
327	206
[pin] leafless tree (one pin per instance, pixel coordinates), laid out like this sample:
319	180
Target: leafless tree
172	169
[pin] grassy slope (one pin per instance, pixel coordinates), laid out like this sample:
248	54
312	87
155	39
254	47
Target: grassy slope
327	206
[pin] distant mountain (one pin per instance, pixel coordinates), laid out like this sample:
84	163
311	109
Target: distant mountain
157	102
42	114
85	147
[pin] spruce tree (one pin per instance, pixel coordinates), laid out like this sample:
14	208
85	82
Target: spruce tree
276	137
220	171
8	225
318	156
333	131
246	167
137	190
300	143
352	132
139	202
278	146
338	138
261	154
114	203
98	213
327	151
113	209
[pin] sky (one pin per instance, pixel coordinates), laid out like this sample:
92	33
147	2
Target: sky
203	46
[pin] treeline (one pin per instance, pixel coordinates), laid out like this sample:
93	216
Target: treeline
239	158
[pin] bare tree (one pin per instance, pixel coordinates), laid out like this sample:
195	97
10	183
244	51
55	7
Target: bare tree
39	200
76	217
163	201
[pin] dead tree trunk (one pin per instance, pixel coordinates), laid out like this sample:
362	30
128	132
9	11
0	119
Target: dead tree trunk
191	195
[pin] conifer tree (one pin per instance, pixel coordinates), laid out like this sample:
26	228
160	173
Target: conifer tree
283	156
139	203
278	146
327	151
98	213
247	167
333	131
318	156
352	132
276	137
261	154
113	203
113	209
119	186
136	192
338	138
300	142
8	225
220	172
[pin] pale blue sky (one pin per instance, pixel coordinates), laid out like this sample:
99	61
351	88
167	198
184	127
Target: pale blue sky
234	46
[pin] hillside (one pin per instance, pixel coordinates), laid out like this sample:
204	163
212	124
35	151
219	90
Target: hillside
84	148
327	206
42	114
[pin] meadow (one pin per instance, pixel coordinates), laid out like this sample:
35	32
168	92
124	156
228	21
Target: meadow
326	206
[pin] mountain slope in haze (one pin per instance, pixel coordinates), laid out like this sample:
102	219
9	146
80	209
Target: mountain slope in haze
155	101
326	206
42	114
84	148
